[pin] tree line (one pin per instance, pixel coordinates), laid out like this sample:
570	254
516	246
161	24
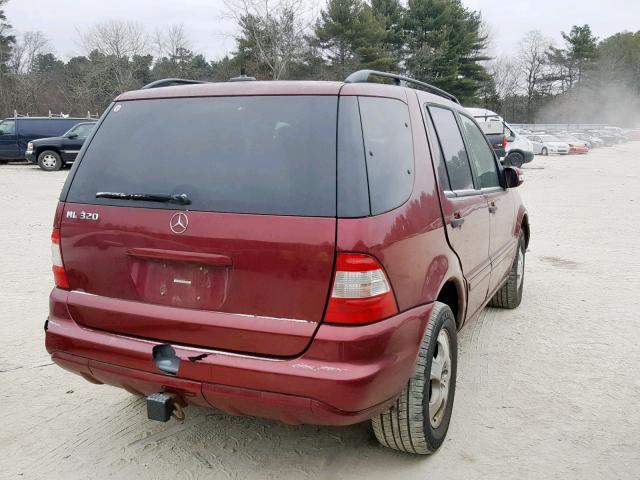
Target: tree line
438	41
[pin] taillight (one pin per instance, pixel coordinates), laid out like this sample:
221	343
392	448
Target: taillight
59	274
361	291
504	142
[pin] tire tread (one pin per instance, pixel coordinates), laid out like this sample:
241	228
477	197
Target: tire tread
402	426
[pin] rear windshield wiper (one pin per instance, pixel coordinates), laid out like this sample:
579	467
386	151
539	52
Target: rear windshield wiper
180	198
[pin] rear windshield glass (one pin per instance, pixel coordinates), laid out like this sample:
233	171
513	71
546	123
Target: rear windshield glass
262	155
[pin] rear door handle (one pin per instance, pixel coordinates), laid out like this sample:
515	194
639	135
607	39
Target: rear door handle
493	208
457	222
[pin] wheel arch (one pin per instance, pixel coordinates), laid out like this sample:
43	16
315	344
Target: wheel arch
525	229
452	294
522	225
39	150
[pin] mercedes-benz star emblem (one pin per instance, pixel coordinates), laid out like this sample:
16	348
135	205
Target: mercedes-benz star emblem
179	223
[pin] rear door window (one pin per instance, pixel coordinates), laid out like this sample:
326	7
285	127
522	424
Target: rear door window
453	148
389	152
264	155
481	154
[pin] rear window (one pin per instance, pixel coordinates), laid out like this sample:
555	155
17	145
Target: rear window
261	155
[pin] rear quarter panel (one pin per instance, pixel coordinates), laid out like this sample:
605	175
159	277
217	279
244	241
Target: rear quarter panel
409	241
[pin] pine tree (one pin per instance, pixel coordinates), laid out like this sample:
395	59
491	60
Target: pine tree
445	45
618	60
7	85
350	36
6	39
391	14
574	61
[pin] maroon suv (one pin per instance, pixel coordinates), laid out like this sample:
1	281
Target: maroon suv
303	251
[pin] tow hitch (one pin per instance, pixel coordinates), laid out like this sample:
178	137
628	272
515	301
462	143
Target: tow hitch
162	406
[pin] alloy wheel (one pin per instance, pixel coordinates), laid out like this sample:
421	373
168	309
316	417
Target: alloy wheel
440	376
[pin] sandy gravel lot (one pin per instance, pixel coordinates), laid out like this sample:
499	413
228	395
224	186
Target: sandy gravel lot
550	390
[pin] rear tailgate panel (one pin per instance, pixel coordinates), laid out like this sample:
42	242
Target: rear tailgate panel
249	283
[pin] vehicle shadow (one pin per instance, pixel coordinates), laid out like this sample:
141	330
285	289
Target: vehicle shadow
243	447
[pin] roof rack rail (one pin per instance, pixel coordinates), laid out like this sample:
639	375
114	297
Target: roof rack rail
362	76
170	82
50	114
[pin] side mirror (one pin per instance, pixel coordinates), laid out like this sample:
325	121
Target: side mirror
72	136
513	177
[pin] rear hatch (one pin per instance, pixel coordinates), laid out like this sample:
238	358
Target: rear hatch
246	266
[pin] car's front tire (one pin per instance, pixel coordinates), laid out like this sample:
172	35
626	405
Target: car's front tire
510	294
50	161
419	419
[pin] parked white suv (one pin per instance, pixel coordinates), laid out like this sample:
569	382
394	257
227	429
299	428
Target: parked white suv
519	149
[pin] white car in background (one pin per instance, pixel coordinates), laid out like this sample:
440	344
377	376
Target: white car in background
549	144
538	146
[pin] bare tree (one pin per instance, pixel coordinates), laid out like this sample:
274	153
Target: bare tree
506	75
116	38
26	51
273	30
170	42
117	42
532	63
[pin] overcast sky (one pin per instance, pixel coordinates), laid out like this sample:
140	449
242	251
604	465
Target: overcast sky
211	33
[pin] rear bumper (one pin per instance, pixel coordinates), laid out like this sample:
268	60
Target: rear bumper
347	375
559	150
31	157
578	150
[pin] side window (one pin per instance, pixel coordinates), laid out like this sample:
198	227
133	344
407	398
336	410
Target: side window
481	154
85	130
455	154
82	130
438	157
509	134
8	127
389	152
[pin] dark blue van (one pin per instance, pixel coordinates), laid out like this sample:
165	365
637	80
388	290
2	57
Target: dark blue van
15	133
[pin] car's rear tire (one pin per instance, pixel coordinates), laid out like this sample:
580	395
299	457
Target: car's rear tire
510	294
50	161
419	419
514	159
545	152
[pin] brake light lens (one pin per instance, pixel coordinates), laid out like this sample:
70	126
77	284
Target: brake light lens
504	142
361	291
59	274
